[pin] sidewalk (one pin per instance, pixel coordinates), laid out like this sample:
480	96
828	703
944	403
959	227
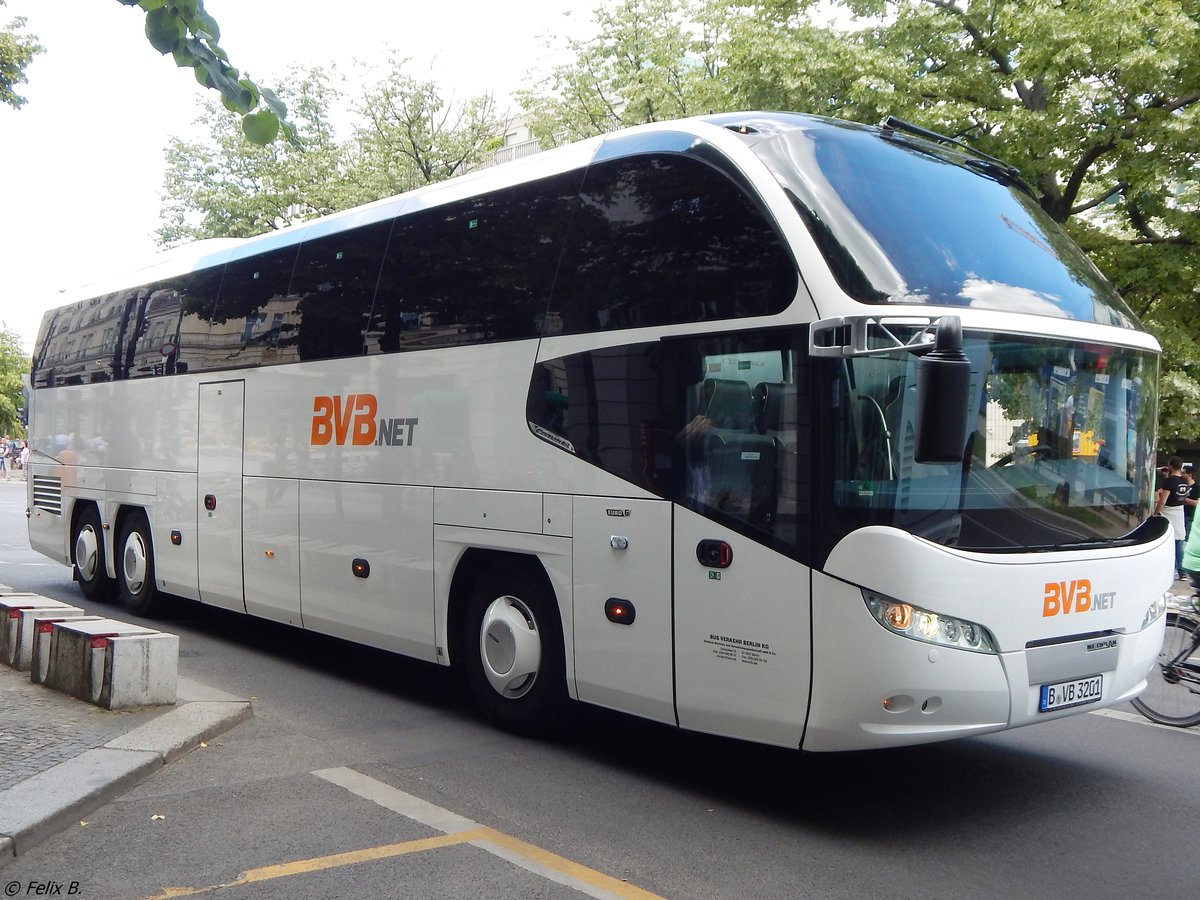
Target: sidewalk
61	758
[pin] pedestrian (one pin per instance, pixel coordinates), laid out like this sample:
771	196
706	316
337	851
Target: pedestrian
1191	562
1193	497
1169	502
25	460
4	458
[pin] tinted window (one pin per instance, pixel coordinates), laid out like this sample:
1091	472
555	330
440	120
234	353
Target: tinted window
86	341
720	424
666	238
255	316
173	319
333	287
473	271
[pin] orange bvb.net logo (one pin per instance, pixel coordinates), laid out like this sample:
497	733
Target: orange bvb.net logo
1062	598
353	419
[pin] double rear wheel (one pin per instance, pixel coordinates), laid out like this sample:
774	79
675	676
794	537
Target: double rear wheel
134	553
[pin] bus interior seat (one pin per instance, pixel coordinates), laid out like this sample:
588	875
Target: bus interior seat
742	461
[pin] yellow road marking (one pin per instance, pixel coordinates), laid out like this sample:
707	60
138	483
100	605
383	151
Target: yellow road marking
565	866
333	861
456	830
479	837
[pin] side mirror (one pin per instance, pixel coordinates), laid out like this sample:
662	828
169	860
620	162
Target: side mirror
943	397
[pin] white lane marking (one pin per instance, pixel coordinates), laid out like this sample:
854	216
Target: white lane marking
531	858
397	801
1137	719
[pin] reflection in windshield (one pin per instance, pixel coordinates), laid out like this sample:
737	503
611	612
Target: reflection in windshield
1060	453
900	220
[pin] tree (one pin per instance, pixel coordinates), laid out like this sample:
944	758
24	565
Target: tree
13	364
225	186
409	135
183	29
17	50
406	136
1097	102
651	60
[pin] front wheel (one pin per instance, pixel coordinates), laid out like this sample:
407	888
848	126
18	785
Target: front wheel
135	566
1172	695
513	651
87	552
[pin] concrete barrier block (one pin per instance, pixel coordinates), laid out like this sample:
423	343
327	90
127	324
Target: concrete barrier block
10	604
18	625
71	666
138	670
39	654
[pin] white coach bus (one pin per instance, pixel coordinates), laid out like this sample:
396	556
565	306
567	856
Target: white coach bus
762	425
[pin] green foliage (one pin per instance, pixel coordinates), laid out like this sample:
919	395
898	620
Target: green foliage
652	60
13	364
183	29
230	186
409	135
406	136
17	50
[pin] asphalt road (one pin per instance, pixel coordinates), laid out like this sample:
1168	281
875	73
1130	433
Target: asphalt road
366	775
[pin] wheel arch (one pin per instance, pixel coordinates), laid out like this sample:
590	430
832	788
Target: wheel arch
124	511
471	566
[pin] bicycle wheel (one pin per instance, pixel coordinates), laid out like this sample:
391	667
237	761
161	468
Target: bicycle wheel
1172	695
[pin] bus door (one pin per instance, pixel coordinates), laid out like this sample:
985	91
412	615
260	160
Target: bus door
742	644
219	494
622	605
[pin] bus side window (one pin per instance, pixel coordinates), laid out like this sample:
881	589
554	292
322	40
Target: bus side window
334	286
665	238
473	271
254	290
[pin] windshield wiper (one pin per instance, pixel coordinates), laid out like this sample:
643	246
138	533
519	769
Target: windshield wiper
981	162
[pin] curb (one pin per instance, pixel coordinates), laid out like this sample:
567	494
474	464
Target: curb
40	806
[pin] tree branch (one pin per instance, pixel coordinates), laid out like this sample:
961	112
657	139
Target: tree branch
1092	204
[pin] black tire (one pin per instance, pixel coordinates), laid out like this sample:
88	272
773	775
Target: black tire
88	557
134	552
1172	695
513	650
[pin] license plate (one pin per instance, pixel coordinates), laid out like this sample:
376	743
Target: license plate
1076	692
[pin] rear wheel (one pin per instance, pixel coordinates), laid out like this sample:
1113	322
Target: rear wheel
1172	695
87	553
135	566
513	650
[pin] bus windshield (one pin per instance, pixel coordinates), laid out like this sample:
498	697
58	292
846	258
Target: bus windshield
902	220
1060	455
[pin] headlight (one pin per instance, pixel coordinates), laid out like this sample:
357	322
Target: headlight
932	628
1156	609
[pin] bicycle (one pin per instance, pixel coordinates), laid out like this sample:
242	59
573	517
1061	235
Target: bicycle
1173	698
